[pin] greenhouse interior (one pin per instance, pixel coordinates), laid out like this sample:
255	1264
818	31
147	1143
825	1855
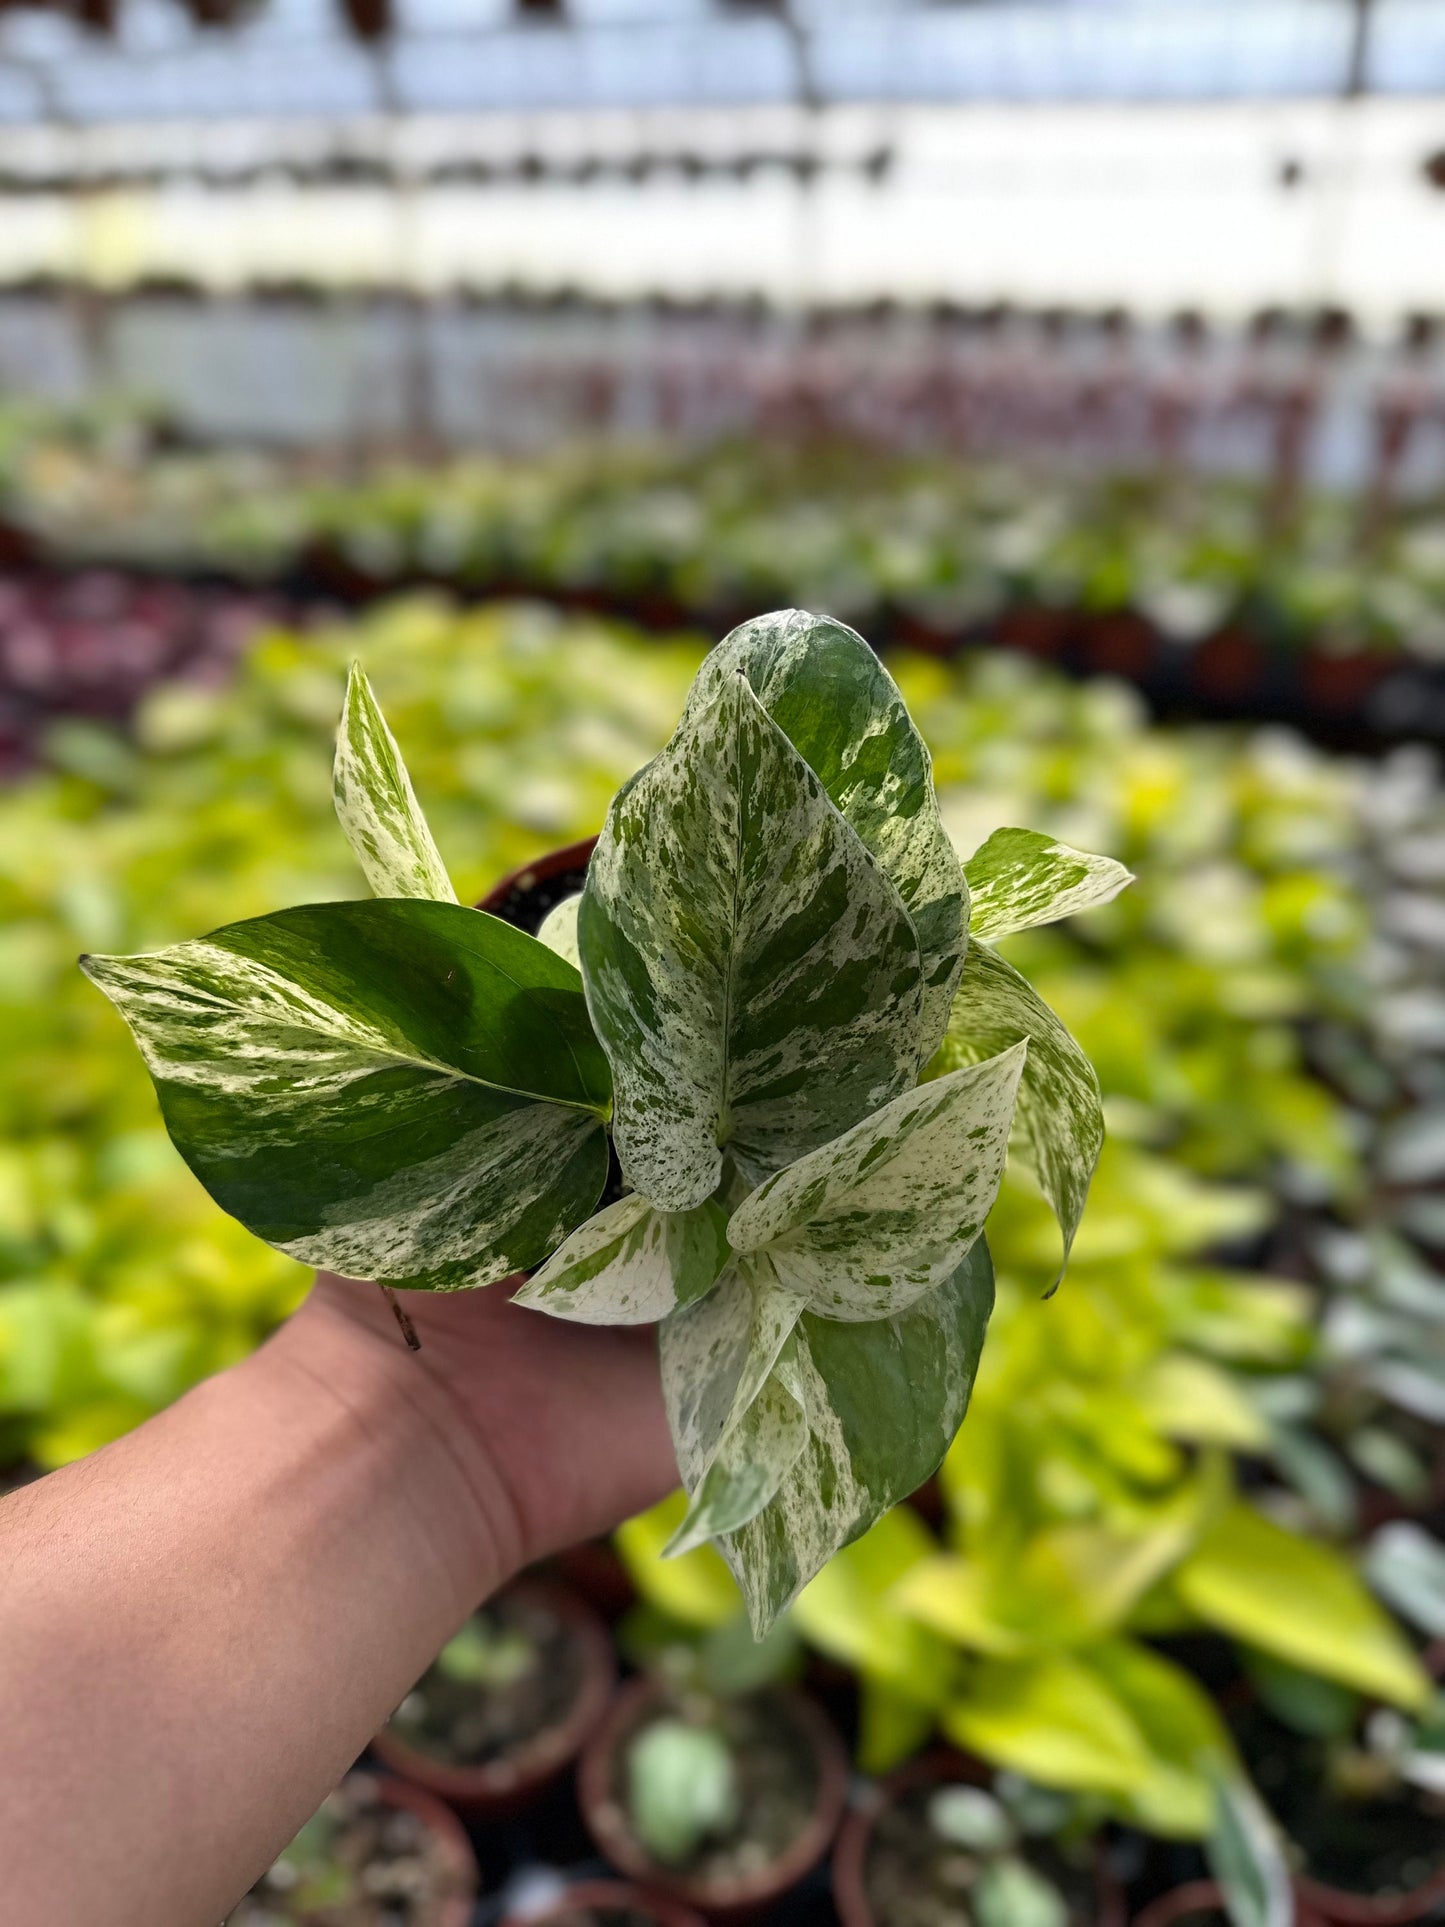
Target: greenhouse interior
445	380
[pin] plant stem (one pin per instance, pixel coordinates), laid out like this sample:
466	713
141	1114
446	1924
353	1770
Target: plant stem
408	1329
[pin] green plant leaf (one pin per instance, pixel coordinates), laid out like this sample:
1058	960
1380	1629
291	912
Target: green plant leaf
1406	1567
735	934
1300	1601
864	1226
377	807
883	1402
749	1463
1052	1719
843	713
631	1265
1247	1857
718	1358
398	1090
558	929
1058	1126
1020	878
1179	1724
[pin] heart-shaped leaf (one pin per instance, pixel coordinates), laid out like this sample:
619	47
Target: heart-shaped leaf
862	1227
1019	878
631	1264
883	1402
843	713
735	936
1058	1127
377	807
398	1090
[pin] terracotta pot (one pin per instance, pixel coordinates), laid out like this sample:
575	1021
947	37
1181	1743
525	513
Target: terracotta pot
1203	1897
444	1827
741	1899
525	878
1036	630
1120	642
850	1858
595	1571
517	1780
1345	682
1194	1897
1348	1909
1228	666
660	1908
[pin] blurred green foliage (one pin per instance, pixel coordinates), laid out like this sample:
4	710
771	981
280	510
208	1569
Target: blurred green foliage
842	526
1093	1498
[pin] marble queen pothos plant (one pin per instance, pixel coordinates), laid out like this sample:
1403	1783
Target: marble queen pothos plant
776	999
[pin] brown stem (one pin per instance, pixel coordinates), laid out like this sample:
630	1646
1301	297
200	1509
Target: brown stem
408	1329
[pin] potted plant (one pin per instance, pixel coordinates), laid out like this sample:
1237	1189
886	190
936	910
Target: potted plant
1358	1789
709	1787
937	1843
375	1854
607	1903
506	1705
771	1005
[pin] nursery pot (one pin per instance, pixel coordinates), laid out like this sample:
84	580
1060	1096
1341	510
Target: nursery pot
1349	1907
608	1896
747	1894
941	1768
526	894
447	1833
1197	1899
495	1788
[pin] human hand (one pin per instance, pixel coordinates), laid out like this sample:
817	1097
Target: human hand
558	1428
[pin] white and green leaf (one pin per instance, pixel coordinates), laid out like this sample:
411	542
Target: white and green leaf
883	1402
631	1264
716	1356
736	936
864	1226
400	1090
1247	1856
1020	878
843	713
1058	1125
377	807
558	929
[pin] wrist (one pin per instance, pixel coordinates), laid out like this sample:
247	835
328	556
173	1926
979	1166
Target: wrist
398	1416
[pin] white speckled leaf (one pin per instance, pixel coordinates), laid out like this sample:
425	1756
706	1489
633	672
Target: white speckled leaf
559	929
735	936
863	1227
377	806
631	1264
843	713
716	1355
400	1090
1019	878
749	1464
883	1402
1059	1118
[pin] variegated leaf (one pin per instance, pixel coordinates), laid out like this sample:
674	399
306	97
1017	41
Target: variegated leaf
843	713
377	806
1059	1118
1019	878
861	1228
716	1355
631	1264
749	1464
558	929
398	1090
883	1402
735	936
